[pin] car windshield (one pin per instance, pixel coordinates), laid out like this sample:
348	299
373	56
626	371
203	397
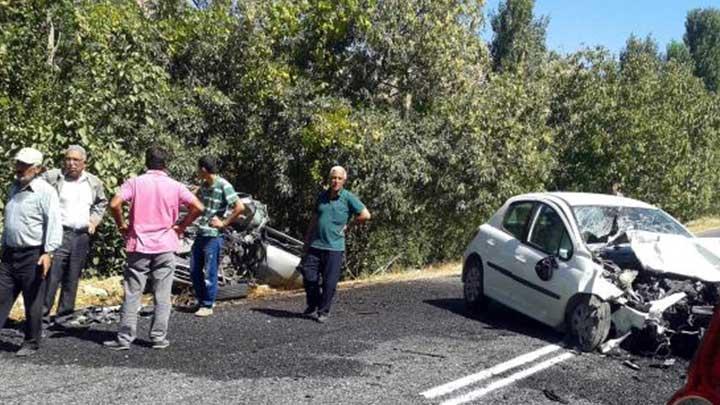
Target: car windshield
598	223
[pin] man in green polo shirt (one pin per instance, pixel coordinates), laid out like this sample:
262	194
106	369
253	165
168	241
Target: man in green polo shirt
335	210
216	194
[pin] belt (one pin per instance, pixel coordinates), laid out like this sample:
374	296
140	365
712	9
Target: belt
20	249
73	230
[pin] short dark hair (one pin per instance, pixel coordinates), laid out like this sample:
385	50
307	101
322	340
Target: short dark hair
209	163
156	158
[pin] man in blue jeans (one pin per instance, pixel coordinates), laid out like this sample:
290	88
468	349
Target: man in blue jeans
325	242
217	194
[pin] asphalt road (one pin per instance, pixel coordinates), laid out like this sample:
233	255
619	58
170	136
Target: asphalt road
394	343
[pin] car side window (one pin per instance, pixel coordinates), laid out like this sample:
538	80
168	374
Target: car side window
516	218
549	234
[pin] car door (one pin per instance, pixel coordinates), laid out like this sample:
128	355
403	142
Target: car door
548	243
501	245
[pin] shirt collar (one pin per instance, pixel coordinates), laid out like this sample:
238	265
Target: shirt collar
30	186
156	172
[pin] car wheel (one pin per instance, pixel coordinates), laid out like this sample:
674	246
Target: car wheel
589	322
473	289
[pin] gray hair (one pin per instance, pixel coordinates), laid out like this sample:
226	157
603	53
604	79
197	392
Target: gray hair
77	148
339	169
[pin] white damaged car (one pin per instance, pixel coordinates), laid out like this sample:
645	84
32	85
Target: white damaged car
595	265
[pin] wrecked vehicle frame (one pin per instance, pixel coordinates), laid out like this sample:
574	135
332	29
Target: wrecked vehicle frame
597	266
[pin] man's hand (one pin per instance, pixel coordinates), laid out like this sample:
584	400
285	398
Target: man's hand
91	227
216	222
179	230
45	261
123	230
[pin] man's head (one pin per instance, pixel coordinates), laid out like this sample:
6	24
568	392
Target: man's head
156	158
207	167
75	157
28	162
337	178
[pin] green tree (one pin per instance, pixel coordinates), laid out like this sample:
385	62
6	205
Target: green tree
702	37
519	38
677	51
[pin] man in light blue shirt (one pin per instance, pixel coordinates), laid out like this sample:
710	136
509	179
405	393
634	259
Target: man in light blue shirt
32	231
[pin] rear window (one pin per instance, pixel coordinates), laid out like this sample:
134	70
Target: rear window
516	218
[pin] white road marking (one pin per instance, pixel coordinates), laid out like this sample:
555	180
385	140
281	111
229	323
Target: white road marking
487	373
471	396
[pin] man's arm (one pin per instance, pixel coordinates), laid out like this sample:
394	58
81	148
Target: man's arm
310	232
238	209
117	214
97	210
53	230
195	208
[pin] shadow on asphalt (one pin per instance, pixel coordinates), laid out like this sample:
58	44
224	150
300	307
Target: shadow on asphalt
500	318
280	313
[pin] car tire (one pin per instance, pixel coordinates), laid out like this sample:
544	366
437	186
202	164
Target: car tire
588	322
473	288
233	291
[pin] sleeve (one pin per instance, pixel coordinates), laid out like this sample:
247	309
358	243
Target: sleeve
354	203
127	190
53	221
97	210
230	195
185	196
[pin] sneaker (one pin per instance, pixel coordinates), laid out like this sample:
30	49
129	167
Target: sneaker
161	344
322	318
203	312
309	311
115	345
27	350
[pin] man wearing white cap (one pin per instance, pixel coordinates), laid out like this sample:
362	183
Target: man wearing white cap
31	233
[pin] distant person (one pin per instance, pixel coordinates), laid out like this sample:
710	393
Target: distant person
82	206
32	232
217	195
336	209
615	189
151	241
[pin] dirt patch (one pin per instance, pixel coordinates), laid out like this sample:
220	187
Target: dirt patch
703	224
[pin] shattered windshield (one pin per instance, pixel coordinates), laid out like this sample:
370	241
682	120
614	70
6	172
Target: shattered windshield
598	223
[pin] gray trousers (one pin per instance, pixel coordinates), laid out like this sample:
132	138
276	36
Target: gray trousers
159	267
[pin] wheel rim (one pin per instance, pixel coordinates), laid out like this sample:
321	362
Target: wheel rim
584	323
472	285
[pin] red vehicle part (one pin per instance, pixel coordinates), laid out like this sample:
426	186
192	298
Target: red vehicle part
703	381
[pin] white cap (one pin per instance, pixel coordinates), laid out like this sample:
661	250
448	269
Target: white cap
30	156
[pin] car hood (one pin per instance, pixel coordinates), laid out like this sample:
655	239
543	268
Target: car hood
695	258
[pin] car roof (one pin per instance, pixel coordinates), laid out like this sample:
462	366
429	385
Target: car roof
574	199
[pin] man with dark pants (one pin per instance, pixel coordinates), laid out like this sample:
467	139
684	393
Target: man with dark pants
151	241
325	243
82	206
31	233
216	194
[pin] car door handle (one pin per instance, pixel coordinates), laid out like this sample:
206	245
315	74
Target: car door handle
520	258
490	242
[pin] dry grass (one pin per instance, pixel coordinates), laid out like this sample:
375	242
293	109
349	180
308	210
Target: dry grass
703	224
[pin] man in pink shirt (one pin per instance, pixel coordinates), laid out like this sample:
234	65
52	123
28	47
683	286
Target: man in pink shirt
151	241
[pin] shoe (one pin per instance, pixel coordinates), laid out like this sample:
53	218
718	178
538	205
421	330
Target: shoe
161	344
322	318
115	345
203	312
27	350
309	311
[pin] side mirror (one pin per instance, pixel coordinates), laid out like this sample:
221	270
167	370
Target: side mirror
546	267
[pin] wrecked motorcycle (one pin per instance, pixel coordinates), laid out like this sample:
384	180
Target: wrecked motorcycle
252	252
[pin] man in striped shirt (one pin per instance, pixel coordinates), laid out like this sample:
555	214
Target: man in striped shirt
217	195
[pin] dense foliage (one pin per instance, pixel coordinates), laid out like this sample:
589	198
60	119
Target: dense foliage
435	126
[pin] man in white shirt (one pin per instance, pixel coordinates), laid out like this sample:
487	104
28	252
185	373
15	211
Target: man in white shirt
82	206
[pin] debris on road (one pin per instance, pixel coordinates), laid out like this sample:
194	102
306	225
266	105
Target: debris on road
631	365
551	395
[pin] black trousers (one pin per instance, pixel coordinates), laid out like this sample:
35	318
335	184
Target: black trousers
68	263
321	273
19	272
